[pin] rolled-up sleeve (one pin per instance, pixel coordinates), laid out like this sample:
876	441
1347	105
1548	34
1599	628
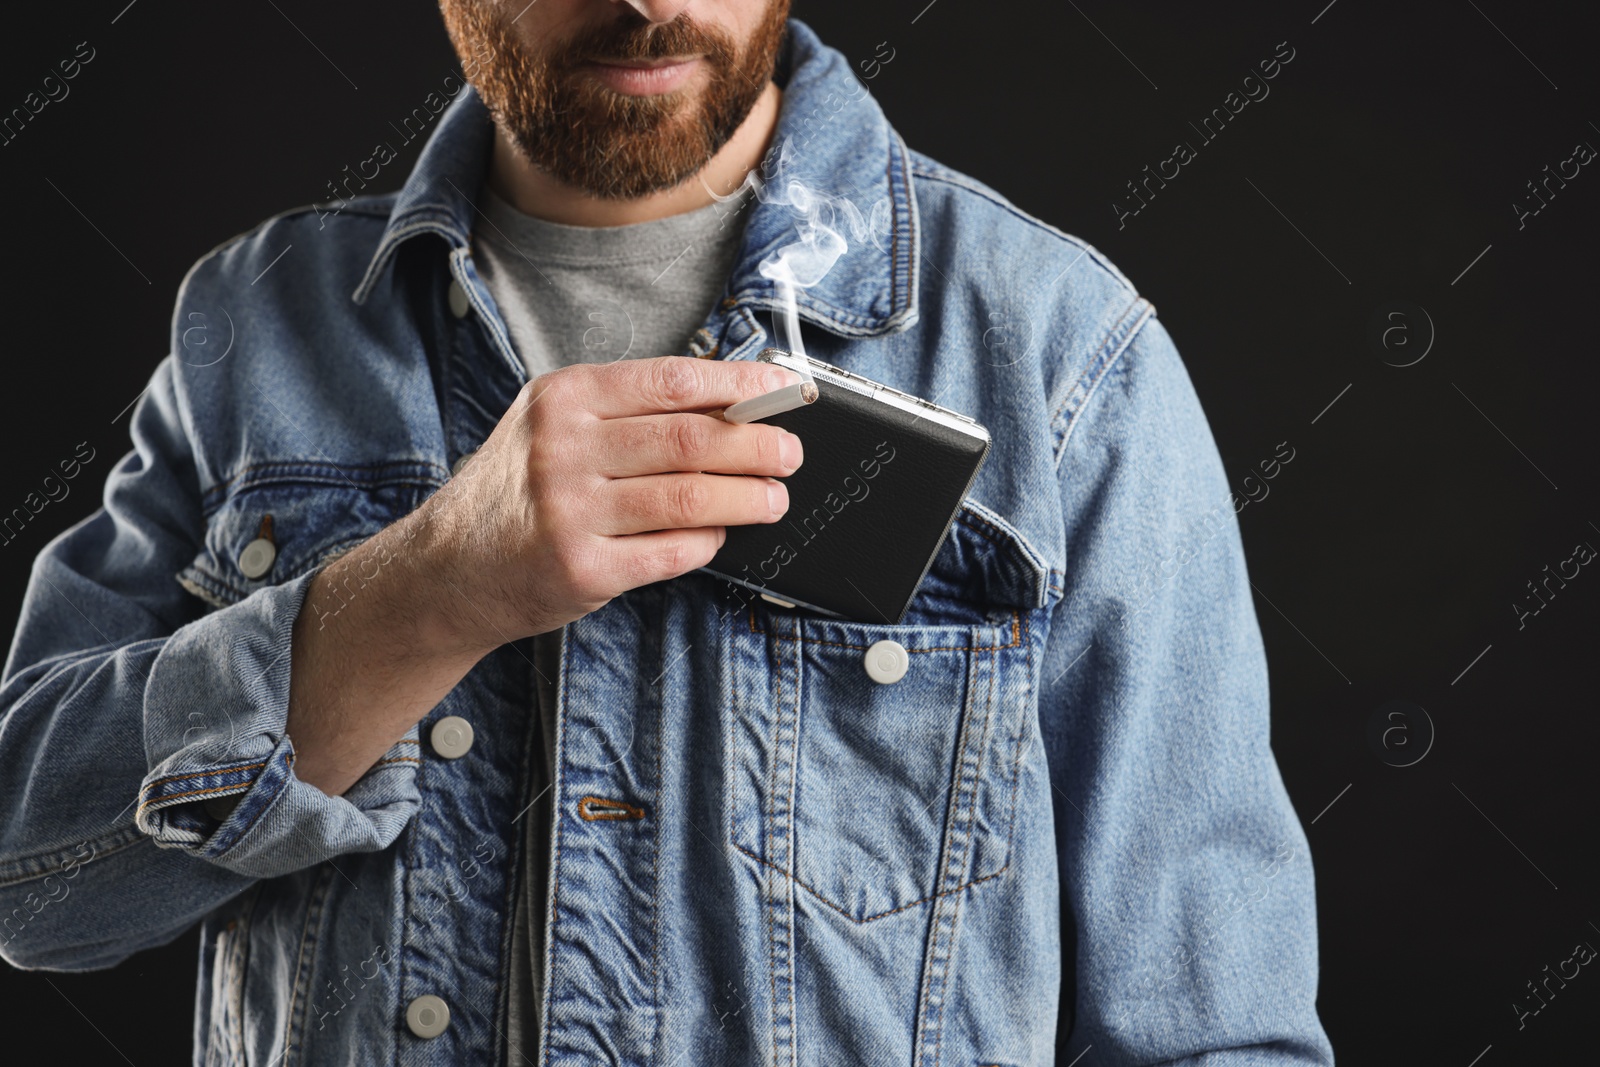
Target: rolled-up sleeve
221	777
133	716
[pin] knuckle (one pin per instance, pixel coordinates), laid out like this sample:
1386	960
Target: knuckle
675	557
682	554
674	381
691	437
535	388
546	396
664	558
540	476
579	567
646	566
683	500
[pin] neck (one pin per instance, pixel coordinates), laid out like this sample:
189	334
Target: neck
534	192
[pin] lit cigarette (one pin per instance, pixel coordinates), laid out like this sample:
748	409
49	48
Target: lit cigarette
779	400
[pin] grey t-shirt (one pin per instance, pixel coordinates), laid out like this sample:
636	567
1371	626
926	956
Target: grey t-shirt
593	294
578	294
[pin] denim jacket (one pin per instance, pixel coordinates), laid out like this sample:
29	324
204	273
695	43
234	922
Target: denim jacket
1062	829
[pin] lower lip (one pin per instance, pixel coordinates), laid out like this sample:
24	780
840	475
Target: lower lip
644	81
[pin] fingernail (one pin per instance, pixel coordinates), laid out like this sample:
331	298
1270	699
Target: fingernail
790	450
777	496
778	377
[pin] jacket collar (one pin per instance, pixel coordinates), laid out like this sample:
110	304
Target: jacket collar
838	142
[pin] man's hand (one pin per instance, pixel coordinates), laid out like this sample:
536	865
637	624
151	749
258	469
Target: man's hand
601	478
598	479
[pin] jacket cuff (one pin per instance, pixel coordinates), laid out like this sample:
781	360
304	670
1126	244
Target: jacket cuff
221	783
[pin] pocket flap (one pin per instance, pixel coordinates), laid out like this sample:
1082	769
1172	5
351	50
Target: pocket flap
984	560
305	521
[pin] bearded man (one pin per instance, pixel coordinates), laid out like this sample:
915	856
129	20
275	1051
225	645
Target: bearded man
390	659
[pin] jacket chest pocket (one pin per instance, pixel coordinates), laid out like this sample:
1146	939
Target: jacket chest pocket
877	764
276	522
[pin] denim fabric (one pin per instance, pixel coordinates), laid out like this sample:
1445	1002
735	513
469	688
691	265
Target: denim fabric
1066	814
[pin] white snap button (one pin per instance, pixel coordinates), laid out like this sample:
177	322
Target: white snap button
461	461
451	737
887	662
427	1016
459	304
257	557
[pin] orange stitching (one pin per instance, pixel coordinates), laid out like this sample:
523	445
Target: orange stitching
397	759
599	808
984	741
196	793
202	774
289	762
1016	758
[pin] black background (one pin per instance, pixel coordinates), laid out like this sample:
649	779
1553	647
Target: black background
1386	556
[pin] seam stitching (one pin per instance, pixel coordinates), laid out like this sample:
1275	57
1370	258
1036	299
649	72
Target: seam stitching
203	774
1102	357
1102	364
239	479
870	918
912	651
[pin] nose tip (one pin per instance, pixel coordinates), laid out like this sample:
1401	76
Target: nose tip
657	10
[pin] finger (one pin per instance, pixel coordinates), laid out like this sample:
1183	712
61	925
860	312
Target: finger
642	558
674	383
684	441
685	501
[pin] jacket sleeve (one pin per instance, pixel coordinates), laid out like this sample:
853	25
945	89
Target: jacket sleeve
145	772
1189	915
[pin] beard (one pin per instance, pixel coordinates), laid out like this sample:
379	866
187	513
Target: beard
613	145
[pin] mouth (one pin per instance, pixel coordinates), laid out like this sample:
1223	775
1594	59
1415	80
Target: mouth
643	77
